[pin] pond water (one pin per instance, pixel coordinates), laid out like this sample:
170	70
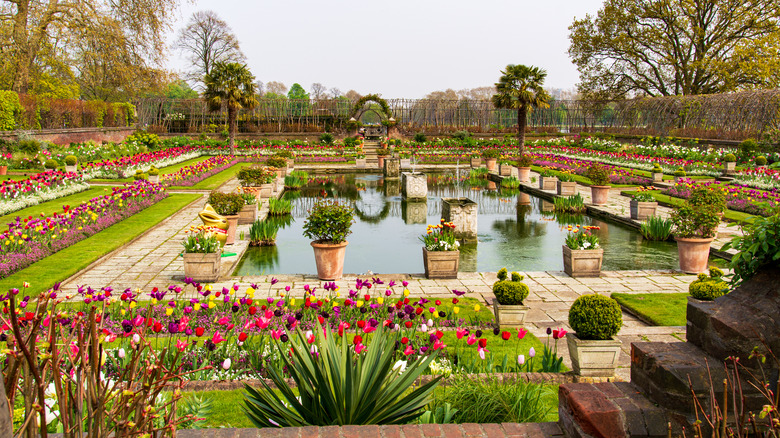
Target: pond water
515	230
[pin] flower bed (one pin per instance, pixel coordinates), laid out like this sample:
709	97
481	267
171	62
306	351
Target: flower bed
44	186
191	175
31	239
617	175
738	198
126	166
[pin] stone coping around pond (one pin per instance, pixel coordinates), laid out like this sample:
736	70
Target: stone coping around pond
543	378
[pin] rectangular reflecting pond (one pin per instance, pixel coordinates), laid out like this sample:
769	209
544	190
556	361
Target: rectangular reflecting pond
516	230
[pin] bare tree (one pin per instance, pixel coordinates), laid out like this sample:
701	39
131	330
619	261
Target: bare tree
479	93
277	88
317	90
353	95
260	87
335	93
207	40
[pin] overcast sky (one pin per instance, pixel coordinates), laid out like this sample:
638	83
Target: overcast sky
399	48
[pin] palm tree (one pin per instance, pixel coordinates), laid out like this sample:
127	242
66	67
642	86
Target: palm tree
520	88
232	85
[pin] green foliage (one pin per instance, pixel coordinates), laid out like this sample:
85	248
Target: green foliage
760	160
642	197
657	168
231	85
338	386
29	146
293	182
521	88
139	175
758	247
263	233
226	204
565	177
329	222
705	196
582	239
151	141
10	110
153	171
440	415
180	90
383	152
695	221
460	135
525	161
350	142
656	228
419	137
255	176
249	199
598	175
277	162
51	164
570	204
297	92
729	158
708	287
510	292
492	153
71	160
680	172
202	242
326	138
279	207
510	182
594	316
747	149
195	406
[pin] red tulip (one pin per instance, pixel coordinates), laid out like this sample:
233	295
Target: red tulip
506	335
408	324
157	327
404	340
242	337
361	323
483	343
199	331
357	339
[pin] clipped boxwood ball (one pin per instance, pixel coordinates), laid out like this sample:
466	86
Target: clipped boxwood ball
595	316
71	160
50	164
729	158
510	293
707	288
761	160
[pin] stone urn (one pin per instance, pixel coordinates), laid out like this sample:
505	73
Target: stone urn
476	162
232	221
567	188
694	254
524	174
202	267
248	214
658	177
582	262
729	167
599	194
490	163
642	210
73	168
593	358
548	183
441	264
509	315
360	163
329	258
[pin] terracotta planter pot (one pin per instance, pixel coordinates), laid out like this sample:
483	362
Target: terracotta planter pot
524	174
441	264
593	358
248	214
599	194
642	210
3	170
490	163
232	221
509	315
476	162
74	168
548	183
360	163
381	160
694	254
658	176
582	262
202	267
567	188
330	259
505	169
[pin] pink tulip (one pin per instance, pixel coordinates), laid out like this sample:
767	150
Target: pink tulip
471	340
359	348
521	332
460	332
217	338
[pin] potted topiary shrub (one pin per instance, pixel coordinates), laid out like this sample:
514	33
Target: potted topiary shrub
228	205
599	177
140	175
658	173
248	213
582	255
491	156
510	294
729	164
595	319
202	254
695	226
566	185
679	174
441	256
328	225
548	180
154	175
707	288
642	205
70	163
289	158
524	168
381	154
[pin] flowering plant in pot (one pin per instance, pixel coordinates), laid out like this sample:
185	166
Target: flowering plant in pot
491	156
566	185
599	177
328	225
441	256
595	319
248	213
524	167
228	205
695	226
5	160
548	180
202	253
582	255
508	305
643	205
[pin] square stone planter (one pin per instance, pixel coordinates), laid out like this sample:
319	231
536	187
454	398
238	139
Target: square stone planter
202	267
567	188
476	162
729	168
463	213
505	169
658	176
266	190
414	185
248	214
152	178
593	358
509	315
582	262
360	163
441	264
406	163
548	183
642	210
74	168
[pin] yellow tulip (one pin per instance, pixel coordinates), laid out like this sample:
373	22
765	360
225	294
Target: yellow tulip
380	300
169	311
359	303
455	310
476	307
406	292
211	305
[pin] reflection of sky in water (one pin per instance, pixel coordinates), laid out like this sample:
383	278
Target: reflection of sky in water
516	231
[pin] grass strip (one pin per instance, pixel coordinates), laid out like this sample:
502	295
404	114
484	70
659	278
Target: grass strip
658	308
61	265
163	171
670	201
577	178
55	205
215	181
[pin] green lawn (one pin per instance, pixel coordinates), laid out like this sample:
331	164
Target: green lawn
163	171
215	181
660	309
50	207
15	177
58	267
225	408
734	216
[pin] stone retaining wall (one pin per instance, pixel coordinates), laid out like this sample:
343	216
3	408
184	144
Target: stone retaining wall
74	135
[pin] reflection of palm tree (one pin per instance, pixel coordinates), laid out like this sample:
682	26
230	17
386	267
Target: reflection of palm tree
512	228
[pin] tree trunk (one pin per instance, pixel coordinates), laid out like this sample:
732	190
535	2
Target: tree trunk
6	424
522	116
232	128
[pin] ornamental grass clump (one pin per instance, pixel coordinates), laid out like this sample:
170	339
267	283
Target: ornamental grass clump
510	182
340	383
708	287
570	204
329	222
440	237
263	233
582	239
510	292
656	228
279	207
595	316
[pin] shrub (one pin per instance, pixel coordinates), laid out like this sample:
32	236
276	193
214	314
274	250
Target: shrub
708	288
729	158
326	138
680	172
226	204
71	160
139	175
51	164
598	175
420	137
657	168
255	176
277	162
747	149
329	222
510	292
525	161
760	160
151	141
695	221
491	153
594	316
758	247
383	151
350	142
656	228
285	153
153	171
705	196
29	146
460	135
